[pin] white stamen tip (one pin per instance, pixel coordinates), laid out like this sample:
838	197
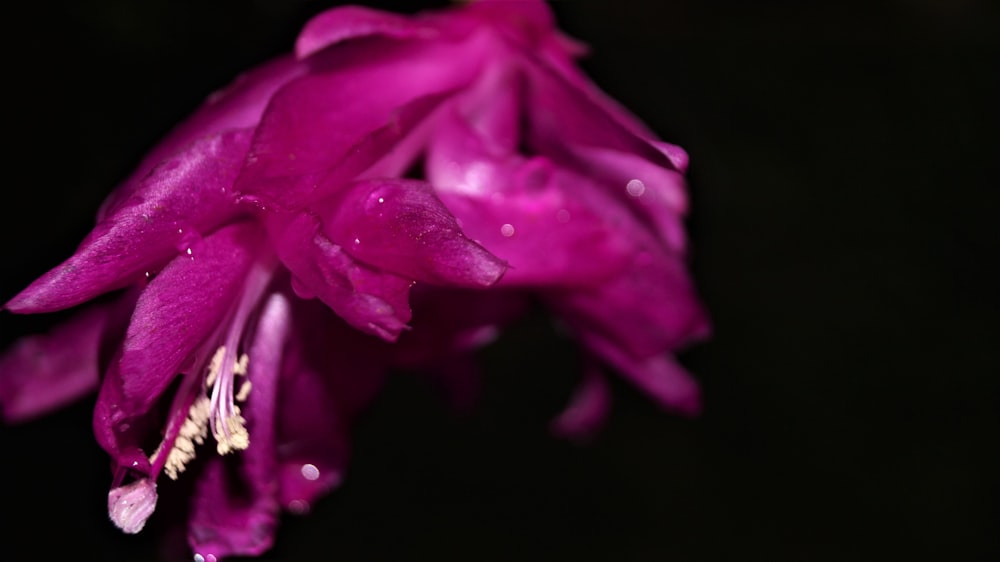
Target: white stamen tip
131	505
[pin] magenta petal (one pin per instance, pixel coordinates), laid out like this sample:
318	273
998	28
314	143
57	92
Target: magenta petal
237	106
587	409
649	308
330	126
186	195
351	22
370	300
331	373
560	115
660	376
400	226
181	307
240	517
44	372
657	194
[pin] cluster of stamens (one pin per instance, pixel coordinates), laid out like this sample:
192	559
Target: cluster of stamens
224	420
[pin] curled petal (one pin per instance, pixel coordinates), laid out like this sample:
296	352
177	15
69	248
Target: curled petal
186	195
370	300
401	226
181	307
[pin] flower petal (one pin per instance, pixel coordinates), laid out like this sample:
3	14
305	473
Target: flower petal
237	106
327	128
352	22
41	373
186	195
235	512
651	307
561	117
370	300
587	409
660	376
537	216
331	373
181	307
400	226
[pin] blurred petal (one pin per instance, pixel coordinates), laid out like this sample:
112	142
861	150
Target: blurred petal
44	372
649	308
330	374
660	376
185	196
588	407
352	22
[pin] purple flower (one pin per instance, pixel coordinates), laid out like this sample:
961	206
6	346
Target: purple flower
263	255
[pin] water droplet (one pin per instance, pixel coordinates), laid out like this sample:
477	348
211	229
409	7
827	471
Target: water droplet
309	471
298	507
507	230
357	241
381	199
635	188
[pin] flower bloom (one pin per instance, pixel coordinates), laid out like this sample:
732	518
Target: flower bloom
265	256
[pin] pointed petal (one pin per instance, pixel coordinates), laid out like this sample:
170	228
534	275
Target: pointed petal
587	409
400	226
370	300
562	117
237	106
235	512
181	307
40	373
660	376
186	195
352	22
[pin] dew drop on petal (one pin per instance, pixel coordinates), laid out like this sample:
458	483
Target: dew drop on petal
309	471
635	188
298	507
507	230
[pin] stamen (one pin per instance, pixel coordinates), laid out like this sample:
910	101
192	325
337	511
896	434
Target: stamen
193	432
222	417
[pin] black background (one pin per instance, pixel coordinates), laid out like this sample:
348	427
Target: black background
844	184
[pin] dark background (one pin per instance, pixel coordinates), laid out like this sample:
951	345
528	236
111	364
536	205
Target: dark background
844	183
